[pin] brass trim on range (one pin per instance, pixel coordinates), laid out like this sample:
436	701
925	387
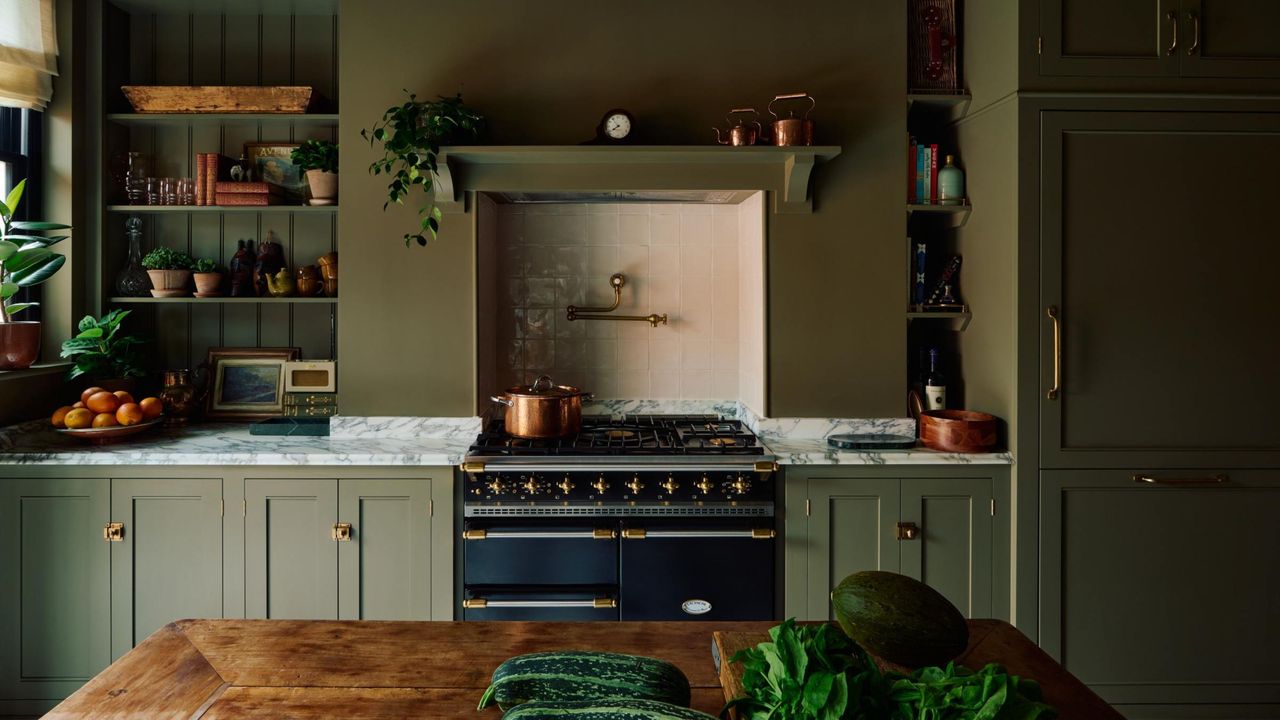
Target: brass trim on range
474	603
473	466
634	533
1218	479
763	533
604	603
766	466
113	532
474	534
341	532
604	534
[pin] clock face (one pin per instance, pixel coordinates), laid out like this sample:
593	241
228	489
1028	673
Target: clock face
617	126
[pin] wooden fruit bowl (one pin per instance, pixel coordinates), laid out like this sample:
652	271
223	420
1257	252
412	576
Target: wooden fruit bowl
959	431
102	436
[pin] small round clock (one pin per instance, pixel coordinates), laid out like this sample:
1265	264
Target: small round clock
615	126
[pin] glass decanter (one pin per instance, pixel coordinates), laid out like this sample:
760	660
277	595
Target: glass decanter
133	280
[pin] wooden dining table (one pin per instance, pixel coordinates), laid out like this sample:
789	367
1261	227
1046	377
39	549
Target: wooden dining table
221	669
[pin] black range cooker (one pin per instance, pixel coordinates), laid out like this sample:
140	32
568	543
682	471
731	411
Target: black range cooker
645	517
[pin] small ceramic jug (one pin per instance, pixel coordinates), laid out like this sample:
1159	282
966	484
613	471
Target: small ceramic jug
308	281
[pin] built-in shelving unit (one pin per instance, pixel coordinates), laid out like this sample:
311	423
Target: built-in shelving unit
218	209
954	215
963	317
221	118
224	300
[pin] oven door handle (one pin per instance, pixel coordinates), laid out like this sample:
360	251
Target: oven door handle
586	534
753	533
597	603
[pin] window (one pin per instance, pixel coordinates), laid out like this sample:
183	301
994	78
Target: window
20	158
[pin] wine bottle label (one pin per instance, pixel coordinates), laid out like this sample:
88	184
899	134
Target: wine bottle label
935	397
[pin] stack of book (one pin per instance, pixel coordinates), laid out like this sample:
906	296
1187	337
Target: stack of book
210	168
227	192
307	404
922	173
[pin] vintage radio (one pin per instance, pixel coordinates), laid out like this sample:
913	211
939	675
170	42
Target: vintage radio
310	376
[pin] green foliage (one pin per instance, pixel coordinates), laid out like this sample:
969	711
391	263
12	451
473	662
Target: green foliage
100	351
206	265
163	258
25	257
411	135
316	155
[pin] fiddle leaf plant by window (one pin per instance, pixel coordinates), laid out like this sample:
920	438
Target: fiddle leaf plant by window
25	257
163	258
316	155
411	135
101	351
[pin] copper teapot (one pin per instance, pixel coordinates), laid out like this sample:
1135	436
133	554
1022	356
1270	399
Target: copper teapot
743	132
792	130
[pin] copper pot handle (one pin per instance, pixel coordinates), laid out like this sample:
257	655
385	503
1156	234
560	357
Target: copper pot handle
793	96
500	400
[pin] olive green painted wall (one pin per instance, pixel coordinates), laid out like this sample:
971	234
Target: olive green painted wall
544	73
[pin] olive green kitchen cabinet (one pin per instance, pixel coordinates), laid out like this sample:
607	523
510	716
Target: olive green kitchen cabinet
1164	590
350	548
938	525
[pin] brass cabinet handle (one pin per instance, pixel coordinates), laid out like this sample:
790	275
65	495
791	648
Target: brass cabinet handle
341	532
113	532
596	603
1218	479
908	531
1052	312
588	534
753	534
1195	33
1173	22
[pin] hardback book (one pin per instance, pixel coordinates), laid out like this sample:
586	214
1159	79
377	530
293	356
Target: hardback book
216	167
310	399
920	173
933	174
925	164
202	162
247	199
921	255
231	186
310	410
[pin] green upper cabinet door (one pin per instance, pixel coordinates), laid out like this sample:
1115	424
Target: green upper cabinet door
1115	38
55	609
1231	38
385	569
952	551
1158	256
291	557
168	566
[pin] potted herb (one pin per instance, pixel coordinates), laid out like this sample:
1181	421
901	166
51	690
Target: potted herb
319	158
208	277
169	271
25	261
102	353
411	135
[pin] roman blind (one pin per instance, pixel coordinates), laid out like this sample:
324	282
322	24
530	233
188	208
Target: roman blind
28	53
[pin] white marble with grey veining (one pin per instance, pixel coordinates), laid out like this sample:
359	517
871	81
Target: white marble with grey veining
816	451
619	407
461	429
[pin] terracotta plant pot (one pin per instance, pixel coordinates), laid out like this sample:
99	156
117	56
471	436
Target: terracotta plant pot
19	344
324	187
169	283
208	284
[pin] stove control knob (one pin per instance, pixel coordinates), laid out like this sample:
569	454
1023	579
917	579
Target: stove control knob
634	485
497	487
740	486
530	486
600	485
670	485
704	485
565	485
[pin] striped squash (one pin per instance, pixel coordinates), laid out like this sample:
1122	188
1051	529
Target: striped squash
616	709
585	675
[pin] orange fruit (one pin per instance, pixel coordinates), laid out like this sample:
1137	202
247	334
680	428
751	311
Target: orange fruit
78	418
102	402
123	396
77	404
152	408
84	396
105	419
60	416
129	414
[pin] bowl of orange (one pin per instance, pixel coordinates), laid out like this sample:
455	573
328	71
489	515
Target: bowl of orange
102	416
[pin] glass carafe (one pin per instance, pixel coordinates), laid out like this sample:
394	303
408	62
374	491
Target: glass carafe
133	280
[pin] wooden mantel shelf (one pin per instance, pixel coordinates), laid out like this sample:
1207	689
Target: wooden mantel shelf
567	168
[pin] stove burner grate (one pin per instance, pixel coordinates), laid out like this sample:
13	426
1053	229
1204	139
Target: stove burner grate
630	435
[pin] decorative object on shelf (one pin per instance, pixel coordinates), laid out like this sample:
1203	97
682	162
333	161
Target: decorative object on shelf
180	396
792	130
943	287
917	286
169	271
232	193
950	183
196	99
933	55
130	171
168	191
617	281
153	195
310	405
742	132
241	270
208	276
329	273
319	160
132	280
247	383
411	135
959	431
616	127
309	377
25	261
272	163
212	167
280	284
308	281
186	191
239	170
270	261
101	351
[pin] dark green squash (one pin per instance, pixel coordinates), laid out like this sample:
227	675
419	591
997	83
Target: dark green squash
616	709
899	618
584	675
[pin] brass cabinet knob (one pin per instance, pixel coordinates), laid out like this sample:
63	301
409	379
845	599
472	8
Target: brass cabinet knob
908	531
600	485
670	485
341	532
634	485
565	485
704	485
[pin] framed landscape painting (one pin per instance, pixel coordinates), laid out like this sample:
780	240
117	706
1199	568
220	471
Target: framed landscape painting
273	164
247	383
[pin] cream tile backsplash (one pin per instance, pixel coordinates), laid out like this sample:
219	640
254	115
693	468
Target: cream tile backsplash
700	264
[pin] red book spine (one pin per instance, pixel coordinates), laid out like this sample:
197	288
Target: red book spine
247	199
229	186
201	163
933	174
210	176
911	172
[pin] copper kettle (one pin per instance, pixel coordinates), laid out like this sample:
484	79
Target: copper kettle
792	130
743	132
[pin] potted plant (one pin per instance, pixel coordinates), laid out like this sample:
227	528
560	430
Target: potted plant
411	135
102	353
319	158
25	260
208	277
169	271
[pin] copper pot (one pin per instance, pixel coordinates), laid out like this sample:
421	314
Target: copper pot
741	132
543	409
792	130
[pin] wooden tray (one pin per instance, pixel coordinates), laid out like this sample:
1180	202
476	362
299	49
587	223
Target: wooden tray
196	99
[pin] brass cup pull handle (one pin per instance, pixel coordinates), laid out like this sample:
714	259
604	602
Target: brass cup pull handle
1195	33
1052	312
341	532
1173	24
1218	479
908	531
113	532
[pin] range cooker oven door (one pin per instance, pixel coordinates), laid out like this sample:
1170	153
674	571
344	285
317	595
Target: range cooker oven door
566	604
525	551
701	569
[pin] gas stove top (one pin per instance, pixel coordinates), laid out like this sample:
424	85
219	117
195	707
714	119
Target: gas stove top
630	435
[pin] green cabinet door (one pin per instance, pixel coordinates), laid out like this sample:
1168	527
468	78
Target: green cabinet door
852	526
168	566
952	552
291	557
1115	38
1231	38
55	609
385	570
1156	593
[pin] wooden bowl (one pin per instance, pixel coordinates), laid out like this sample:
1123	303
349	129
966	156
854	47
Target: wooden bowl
102	436
959	431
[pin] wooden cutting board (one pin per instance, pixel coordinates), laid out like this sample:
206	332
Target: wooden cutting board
990	641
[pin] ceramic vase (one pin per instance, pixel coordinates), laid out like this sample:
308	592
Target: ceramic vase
169	283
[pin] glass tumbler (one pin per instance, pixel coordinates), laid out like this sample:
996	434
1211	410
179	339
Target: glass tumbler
186	191
130	173
153	191
168	191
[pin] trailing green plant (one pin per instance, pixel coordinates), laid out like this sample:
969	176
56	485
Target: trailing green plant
163	258
411	135
25	257
100	350
206	265
316	155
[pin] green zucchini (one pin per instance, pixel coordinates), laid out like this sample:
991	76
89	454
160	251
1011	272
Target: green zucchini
585	675
617	709
899	618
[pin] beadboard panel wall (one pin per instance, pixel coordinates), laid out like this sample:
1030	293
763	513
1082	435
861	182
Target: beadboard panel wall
226	50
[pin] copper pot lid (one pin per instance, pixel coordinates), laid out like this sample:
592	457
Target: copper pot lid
544	387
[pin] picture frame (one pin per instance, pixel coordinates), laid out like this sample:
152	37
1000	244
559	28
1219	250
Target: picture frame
247	383
272	163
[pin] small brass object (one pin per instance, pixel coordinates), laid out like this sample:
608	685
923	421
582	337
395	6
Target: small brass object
741	486
704	485
617	281
475	603
1218	479
634	485
601	603
604	534
600	485
670	485
565	485
766	466
908	531
473	466
763	533
1052	312
633	533
474	534
113	532
341	532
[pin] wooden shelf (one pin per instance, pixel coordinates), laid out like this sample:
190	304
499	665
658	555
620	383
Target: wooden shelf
225	300
181	209
222	118
964	317
944	107
954	215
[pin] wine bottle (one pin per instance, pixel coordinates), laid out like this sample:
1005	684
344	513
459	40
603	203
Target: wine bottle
935	384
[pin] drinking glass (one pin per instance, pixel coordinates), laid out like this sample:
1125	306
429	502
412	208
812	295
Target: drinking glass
168	191
186	191
130	173
153	191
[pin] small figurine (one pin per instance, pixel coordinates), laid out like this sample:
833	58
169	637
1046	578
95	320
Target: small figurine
242	171
270	261
280	284
241	270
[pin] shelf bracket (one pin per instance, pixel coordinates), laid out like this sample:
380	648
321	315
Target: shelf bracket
796	173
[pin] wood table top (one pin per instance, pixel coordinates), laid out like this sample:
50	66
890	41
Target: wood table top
372	670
